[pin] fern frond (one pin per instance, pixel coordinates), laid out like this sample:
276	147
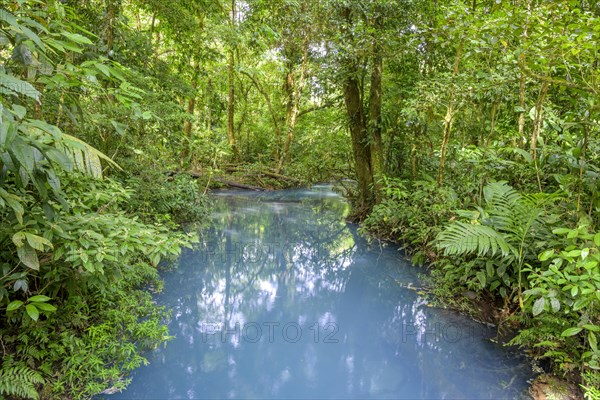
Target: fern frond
20	381
500	194
461	238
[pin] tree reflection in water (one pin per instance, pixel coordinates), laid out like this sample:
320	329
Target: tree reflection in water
275	263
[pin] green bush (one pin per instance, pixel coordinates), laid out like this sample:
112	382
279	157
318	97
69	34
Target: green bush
179	197
411	213
565	295
74	316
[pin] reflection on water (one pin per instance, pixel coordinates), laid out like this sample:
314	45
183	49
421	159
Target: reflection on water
285	300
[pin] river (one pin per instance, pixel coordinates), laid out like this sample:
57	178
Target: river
284	299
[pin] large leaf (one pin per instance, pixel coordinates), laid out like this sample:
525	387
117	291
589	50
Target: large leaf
28	256
32	311
88	151
11	85
538	306
461	238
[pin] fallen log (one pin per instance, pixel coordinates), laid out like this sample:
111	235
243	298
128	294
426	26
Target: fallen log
281	177
239	185
270	174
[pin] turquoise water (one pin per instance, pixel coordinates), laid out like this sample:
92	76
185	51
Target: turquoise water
285	300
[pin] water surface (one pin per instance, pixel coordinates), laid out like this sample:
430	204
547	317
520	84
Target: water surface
285	300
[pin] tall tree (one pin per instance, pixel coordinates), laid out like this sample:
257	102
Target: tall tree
231	83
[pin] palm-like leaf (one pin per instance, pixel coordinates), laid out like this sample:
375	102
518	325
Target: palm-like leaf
508	219
464	238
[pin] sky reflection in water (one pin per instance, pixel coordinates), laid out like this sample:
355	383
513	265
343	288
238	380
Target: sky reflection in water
285	300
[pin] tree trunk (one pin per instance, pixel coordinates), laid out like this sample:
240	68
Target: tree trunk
294	106
537	123
109	25
208	105
272	112
188	124
522	138
537	127
448	119
582	165
231	102
361	149
522	105
360	145
492	121
375	96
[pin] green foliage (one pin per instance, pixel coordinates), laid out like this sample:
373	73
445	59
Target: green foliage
17	379
591	385
412	214
88	320
566	286
505	234
179	197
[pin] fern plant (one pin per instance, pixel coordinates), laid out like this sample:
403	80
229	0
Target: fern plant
506	230
16	379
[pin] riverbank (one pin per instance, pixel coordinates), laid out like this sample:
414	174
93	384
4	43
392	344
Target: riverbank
481	282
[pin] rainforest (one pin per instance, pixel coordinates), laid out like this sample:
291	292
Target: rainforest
448	150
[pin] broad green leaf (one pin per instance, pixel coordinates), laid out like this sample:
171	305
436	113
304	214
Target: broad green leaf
18	239
13	202
45	307
103	68
489	268
525	154
19	111
32	311
584	253
72	47
39	298
574	253
28	256
593	341
590	327
574	291
73	141
8	131
538	306
37	242
546	255
56	44
10	18
60	158
481	277
554	304
33	37
571	331
13	305
119	127
77	38
46	127
11	85
23	155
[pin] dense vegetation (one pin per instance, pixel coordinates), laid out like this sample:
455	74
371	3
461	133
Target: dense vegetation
471	129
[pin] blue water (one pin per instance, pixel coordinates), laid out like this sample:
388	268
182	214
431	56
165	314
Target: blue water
285	300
